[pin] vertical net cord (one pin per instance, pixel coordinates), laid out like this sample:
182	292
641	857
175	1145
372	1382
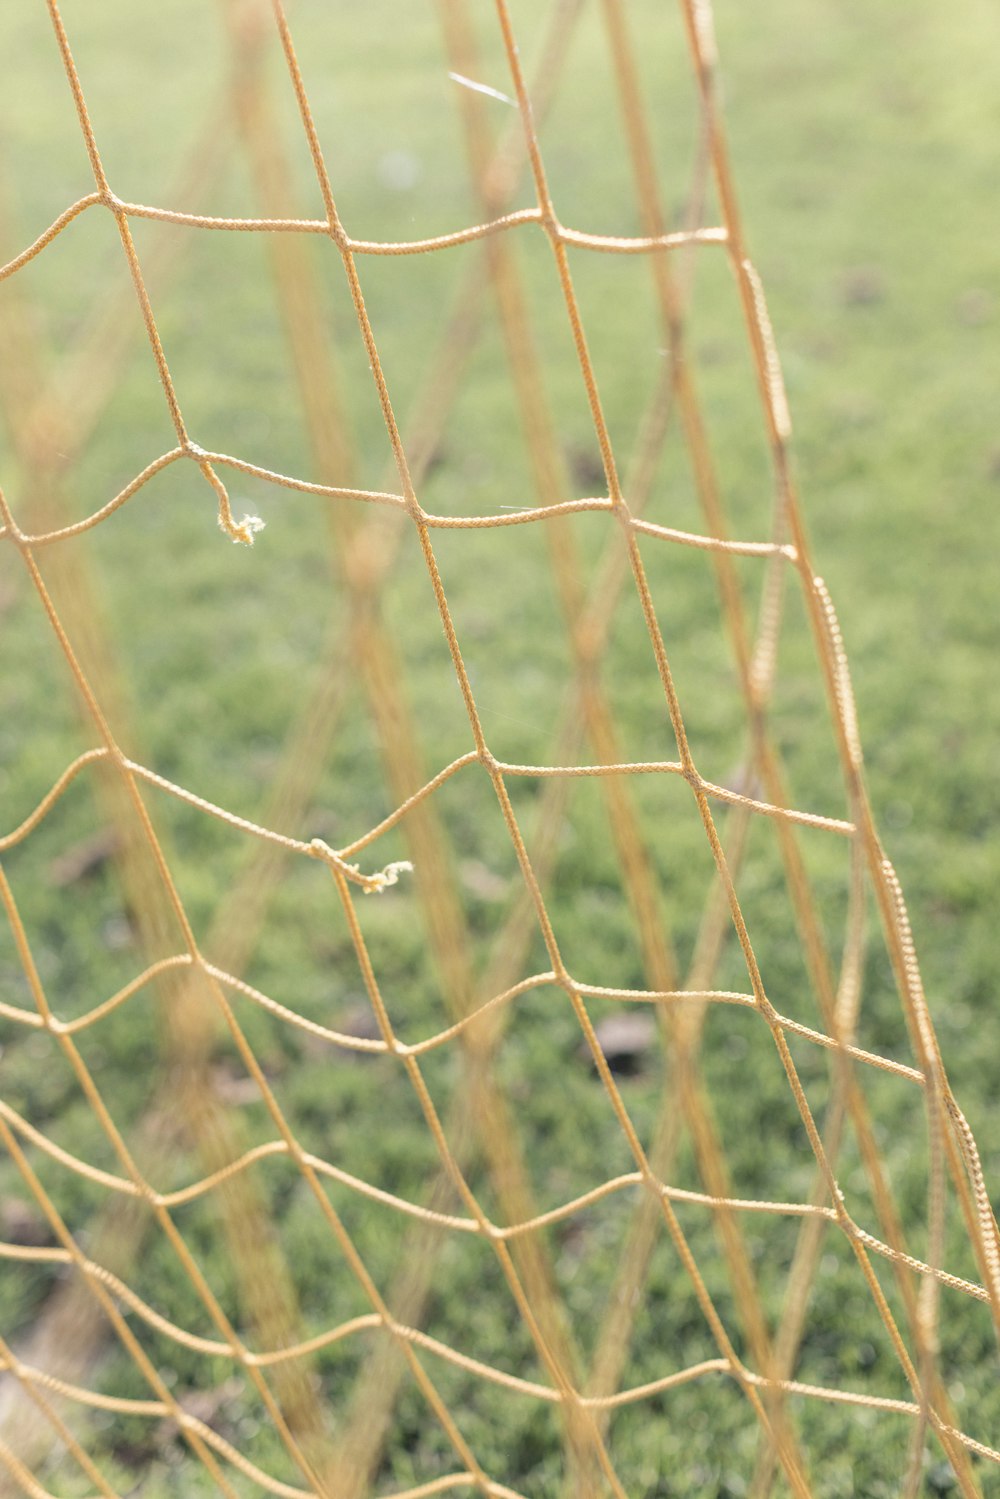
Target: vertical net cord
633	856
115	1236
699	25
778	415
337	233
253	1067
698	19
570	1397
450	940
755	672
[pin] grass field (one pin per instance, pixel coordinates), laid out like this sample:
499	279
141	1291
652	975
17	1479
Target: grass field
865	148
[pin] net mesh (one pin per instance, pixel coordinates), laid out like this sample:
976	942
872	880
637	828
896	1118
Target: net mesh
50	1387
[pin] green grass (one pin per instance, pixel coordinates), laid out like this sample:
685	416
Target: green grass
864	148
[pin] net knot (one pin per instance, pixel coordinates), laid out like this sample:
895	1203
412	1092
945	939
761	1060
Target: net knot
371	884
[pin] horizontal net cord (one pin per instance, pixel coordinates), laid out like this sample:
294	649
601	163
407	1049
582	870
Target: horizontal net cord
157	1409
603	243
515	516
317	849
441	1485
484	1371
570	1208
273	1148
97	1282
34	1252
83	1396
715	543
366	1045
280	1148
48	1413
490	1373
674	767
369	1045
100	752
53	1023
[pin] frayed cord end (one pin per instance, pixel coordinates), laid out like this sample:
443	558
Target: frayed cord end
371	884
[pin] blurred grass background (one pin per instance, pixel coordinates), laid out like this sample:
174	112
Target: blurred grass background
864	142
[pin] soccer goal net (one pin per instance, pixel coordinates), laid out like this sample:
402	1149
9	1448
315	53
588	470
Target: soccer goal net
461	1026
